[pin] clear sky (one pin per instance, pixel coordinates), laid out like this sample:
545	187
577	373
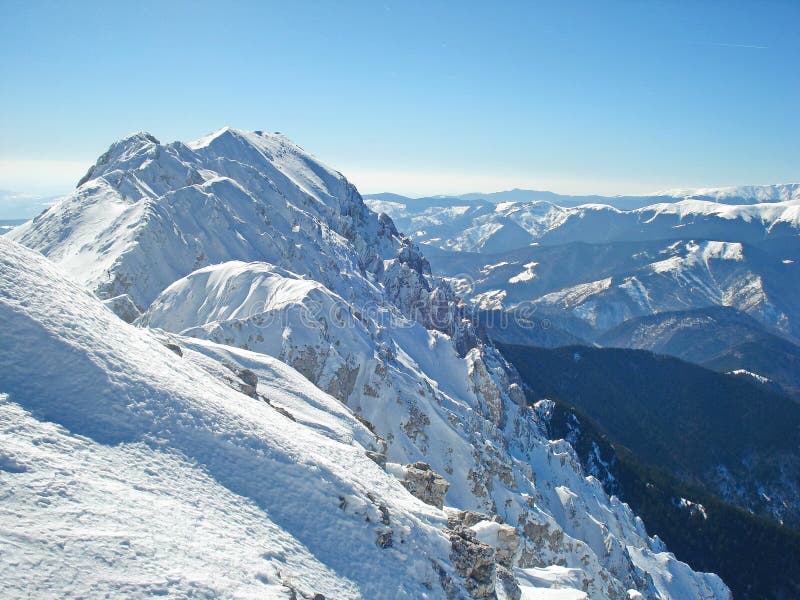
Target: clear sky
416	98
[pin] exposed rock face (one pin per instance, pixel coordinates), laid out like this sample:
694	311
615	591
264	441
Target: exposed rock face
461	519
173	348
503	538
378	457
425	483
478	538
123	307
507	544
508	583
245	381
249	381
475	562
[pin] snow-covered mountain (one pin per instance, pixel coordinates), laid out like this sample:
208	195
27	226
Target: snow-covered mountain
228	251
131	470
488	227
147	214
587	289
719	338
686	275
747	194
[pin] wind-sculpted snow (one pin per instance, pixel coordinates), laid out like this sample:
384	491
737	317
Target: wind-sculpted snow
245	247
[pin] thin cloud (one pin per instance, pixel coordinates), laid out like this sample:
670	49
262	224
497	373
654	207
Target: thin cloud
41	176
732	45
417	183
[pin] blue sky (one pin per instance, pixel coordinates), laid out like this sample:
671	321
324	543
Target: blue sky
417	98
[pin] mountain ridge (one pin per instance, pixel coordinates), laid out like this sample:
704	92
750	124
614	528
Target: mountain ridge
746	194
352	305
720	338
474	226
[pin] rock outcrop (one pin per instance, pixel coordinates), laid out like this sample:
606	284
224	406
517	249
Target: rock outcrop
123	307
425	483
475	562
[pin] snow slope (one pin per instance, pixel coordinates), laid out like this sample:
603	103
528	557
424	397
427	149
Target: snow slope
587	288
428	404
123	460
688	275
239	246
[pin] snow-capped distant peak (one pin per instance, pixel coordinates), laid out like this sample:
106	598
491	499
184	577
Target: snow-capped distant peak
204	141
747	194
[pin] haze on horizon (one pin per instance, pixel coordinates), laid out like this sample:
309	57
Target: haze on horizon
414	98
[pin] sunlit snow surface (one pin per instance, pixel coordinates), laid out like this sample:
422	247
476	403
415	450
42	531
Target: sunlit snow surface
227	245
127	469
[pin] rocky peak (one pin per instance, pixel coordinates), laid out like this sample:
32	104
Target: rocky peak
122	152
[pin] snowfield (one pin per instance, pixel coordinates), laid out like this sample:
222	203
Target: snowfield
130	470
300	407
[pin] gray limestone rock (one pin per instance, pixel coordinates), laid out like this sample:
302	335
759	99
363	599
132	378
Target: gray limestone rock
475	562
425	483
124	307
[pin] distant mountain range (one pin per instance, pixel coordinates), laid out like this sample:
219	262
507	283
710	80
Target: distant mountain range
579	271
750	194
486	226
587	289
720	338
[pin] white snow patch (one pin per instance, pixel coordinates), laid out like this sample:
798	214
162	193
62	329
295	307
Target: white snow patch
527	275
491	300
693	507
486	531
551	583
746	373
487	269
